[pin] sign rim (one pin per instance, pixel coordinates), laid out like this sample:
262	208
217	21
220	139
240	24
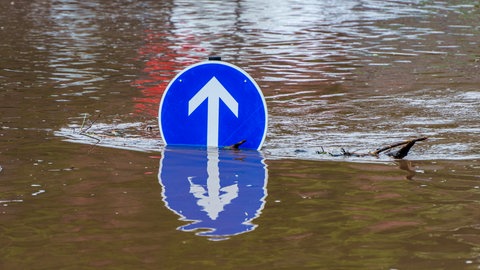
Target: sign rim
172	81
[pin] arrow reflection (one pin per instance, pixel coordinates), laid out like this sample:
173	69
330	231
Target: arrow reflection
219	192
211	199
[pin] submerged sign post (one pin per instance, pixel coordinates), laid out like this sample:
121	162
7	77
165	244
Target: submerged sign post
215	104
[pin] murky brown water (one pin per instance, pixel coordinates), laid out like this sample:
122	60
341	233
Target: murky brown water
85	180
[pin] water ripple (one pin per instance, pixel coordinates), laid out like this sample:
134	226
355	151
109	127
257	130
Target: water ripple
351	74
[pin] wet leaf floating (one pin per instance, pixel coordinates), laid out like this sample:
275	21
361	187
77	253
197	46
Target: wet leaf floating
398	154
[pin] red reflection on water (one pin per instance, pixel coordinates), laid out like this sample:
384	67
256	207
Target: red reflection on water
164	56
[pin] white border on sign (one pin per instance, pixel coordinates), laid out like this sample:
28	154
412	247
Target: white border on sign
221	63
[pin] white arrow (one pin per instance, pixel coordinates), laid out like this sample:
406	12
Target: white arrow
213	91
214	198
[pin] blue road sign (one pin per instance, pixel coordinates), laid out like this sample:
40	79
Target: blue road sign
219	192
213	103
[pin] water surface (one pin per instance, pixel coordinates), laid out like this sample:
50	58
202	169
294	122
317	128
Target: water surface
81	156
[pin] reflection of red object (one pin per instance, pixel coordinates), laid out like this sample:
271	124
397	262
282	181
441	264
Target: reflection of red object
165	55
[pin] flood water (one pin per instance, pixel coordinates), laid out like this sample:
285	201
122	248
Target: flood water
86	182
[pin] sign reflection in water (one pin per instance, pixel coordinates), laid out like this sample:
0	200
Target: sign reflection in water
218	191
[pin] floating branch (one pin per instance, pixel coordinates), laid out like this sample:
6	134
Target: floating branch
399	154
408	144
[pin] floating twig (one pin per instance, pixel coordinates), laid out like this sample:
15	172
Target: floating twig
322	152
407	142
401	153
82	130
236	145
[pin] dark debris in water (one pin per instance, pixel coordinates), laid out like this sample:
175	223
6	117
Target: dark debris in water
396	154
236	145
397	150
